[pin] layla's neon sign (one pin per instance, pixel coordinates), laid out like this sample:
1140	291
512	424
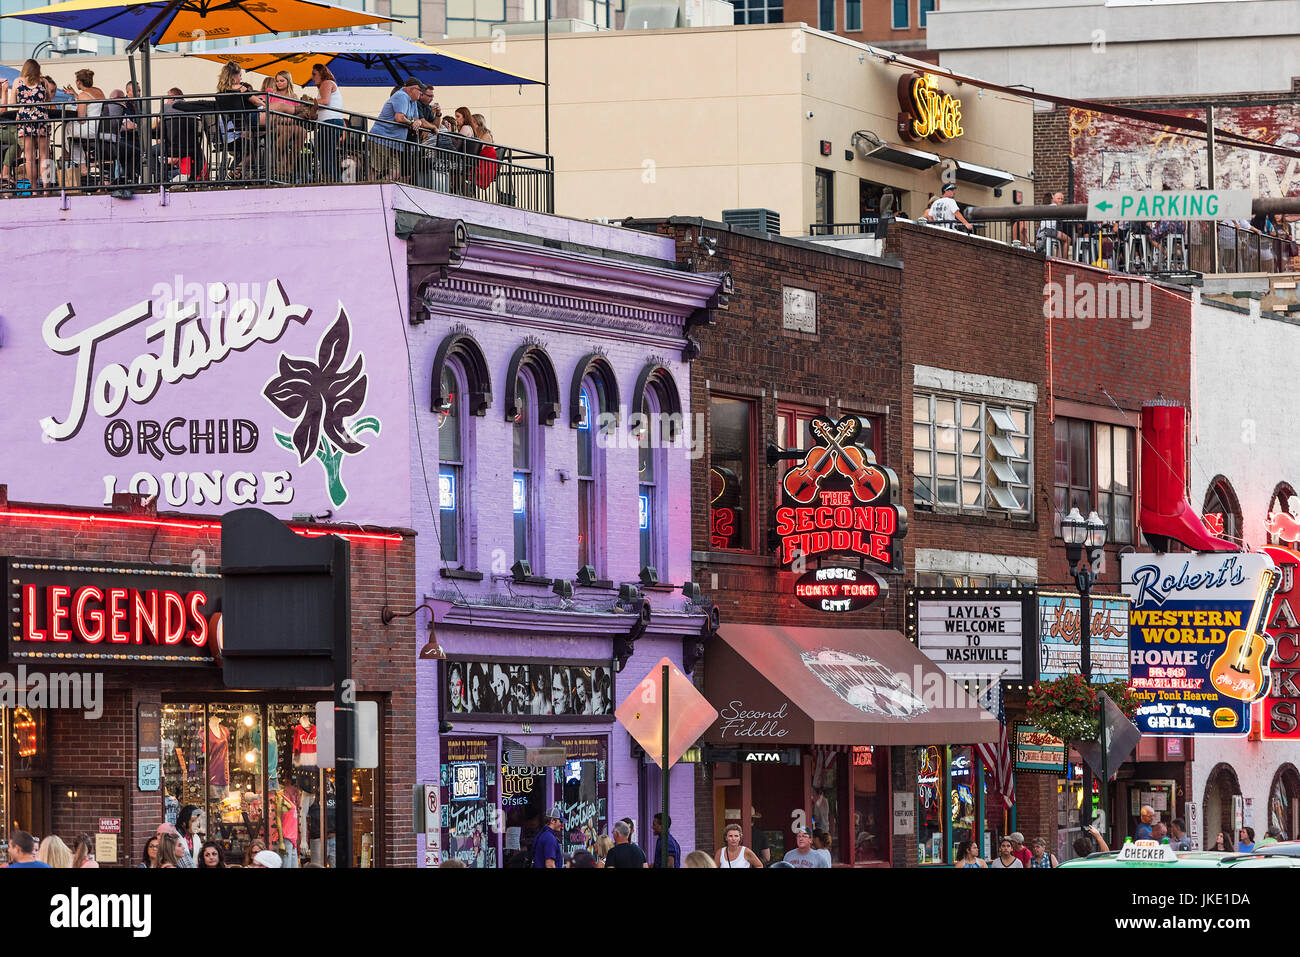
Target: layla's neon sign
927	112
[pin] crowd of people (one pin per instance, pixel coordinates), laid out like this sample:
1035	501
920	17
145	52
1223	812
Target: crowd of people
238	134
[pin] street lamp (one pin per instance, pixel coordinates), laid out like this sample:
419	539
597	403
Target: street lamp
1080	533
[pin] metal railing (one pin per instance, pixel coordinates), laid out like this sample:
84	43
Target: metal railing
201	143
1155	247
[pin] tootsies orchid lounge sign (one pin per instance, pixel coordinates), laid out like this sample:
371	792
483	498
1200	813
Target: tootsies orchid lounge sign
206	395
836	501
110	613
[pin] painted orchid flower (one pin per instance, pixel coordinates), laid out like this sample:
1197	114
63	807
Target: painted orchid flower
321	395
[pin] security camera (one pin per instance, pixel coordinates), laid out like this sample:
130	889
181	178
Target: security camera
810	114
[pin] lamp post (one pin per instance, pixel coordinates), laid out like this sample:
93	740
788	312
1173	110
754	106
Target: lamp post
1080	533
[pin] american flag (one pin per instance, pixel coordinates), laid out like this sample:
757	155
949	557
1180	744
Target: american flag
997	760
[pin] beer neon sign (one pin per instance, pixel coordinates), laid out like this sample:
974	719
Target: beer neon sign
928	113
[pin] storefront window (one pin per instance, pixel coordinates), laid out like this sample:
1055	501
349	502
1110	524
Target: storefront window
524	800
929	805
870	805
468	779
251	769
26	744
730	472
962	790
826	799
585	791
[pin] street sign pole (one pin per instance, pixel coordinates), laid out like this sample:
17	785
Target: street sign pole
1209	174
663	830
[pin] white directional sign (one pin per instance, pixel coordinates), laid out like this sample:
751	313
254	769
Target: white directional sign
1120	204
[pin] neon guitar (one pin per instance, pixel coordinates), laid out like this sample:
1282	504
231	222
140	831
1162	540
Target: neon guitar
868	481
1239	672
801	483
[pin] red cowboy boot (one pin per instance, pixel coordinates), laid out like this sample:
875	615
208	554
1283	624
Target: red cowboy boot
1166	513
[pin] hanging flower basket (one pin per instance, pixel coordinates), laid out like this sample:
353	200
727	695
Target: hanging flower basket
1068	707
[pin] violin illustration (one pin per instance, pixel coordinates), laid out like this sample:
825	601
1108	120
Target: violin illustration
801	483
868	481
1239	671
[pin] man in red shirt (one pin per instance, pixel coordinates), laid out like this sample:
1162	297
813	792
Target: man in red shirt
1018	848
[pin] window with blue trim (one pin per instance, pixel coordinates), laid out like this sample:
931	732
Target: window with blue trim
451	464
923	7
901	11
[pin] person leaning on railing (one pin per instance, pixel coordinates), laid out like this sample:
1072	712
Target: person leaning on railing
329	101
388	133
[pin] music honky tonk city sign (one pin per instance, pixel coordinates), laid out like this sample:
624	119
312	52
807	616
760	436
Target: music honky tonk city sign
207	397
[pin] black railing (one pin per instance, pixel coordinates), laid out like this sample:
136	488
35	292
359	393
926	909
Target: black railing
200	143
1164	246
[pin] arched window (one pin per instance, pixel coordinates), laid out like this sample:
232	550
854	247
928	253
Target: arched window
452	427
1220	788
1222	511
654	429
592	402
1284	802
527	461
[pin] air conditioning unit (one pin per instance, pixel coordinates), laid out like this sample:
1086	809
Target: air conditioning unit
70	43
763	220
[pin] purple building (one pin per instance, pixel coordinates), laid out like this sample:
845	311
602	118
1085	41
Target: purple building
391	356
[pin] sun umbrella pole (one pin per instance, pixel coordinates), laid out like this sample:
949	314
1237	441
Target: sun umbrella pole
546	60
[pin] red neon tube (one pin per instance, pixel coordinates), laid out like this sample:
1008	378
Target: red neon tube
192	525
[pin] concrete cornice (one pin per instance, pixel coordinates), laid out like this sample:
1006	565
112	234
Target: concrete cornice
515	618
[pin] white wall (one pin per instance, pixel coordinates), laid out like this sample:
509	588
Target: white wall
1090	49
1243	427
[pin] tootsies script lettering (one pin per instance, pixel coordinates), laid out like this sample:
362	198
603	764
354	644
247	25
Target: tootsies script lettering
193	334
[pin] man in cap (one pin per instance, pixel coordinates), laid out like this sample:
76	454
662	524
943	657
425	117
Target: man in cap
266	859
944	212
804	854
399	114
546	846
1018	848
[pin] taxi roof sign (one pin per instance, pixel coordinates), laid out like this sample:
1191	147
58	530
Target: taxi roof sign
1147	852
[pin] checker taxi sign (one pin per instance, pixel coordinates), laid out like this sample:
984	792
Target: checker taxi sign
1148	852
1108	205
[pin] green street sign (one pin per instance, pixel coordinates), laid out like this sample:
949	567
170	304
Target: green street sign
1217	204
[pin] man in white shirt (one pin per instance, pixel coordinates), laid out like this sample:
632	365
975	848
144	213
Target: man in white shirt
805	855
944	212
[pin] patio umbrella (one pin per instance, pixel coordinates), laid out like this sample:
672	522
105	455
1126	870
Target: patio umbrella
365	58
150	23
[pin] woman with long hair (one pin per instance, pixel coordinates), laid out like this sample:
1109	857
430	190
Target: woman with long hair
488	167
54	852
149	856
27	93
254	846
169	853
84	851
285	134
90	102
329	101
210	856
967	855
238	106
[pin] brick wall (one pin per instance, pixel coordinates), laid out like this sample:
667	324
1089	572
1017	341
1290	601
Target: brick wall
96	760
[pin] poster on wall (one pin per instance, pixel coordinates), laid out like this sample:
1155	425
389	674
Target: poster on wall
502	689
468	780
583	784
1059	636
1280	712
1197	649
209	379
972	634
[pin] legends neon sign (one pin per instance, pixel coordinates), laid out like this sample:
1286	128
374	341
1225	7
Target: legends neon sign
837	501
111	613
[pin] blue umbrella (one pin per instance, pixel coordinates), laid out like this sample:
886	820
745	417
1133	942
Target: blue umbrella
365	58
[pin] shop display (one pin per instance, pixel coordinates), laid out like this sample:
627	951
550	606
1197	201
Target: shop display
230	762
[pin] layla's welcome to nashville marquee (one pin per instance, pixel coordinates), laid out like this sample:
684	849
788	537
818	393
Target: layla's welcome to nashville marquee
838	501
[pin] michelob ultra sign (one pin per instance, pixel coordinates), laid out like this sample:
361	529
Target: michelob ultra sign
1197	647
